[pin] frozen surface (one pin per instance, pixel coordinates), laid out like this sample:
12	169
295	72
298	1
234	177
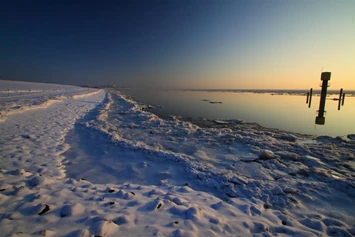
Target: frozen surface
96	163
16	97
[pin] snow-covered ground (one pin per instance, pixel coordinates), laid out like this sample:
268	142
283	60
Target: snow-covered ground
88	162
15	96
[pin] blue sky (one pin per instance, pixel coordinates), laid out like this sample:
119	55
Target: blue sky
184	44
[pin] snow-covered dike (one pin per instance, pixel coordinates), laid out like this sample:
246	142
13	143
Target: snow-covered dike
34	139
95	164
16	97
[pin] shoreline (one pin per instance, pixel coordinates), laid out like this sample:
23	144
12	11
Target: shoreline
265	111
236	126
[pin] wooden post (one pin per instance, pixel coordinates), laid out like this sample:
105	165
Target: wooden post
340	95
310	98
325	77
342	101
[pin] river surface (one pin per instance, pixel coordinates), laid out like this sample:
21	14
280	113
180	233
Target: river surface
284	110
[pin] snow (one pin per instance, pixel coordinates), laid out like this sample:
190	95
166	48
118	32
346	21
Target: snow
236	121
92	162
14	98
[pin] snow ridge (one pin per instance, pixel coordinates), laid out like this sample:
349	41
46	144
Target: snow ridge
17	100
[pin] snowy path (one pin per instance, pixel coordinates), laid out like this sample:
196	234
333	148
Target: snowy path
94	157
34	141
136	181
16	100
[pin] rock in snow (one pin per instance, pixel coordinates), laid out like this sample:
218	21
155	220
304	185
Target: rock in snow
267	155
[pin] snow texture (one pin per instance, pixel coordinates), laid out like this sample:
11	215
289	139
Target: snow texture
94	163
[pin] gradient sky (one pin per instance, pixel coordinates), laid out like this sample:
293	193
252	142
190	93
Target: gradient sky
241	44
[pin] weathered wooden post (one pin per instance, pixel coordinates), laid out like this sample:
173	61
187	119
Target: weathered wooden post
340	95
307	97
310	98
342	100
325	77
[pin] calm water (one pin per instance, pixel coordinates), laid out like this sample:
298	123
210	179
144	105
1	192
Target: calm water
286	112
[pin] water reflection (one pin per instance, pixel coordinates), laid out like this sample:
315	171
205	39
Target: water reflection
271	109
